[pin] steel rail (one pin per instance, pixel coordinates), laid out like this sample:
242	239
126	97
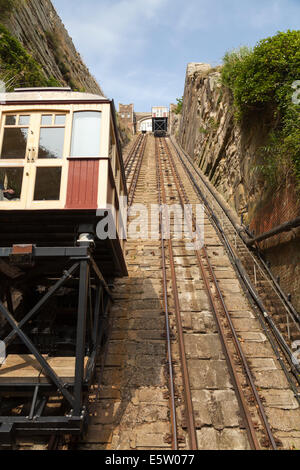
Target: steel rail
133	159
222	334
137	171
131	151
249	423
135	152
174	434
184	367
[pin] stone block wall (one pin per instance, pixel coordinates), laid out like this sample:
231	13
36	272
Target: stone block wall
126	116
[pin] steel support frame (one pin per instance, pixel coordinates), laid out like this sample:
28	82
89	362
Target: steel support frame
72	421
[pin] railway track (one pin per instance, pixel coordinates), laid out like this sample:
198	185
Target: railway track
133	168
162	199
131	158
279	318
208	359
188	364
226	328
132	165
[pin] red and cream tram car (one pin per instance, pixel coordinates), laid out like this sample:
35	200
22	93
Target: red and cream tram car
61	172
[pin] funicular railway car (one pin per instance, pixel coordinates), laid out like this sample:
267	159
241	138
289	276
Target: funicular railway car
160	121
61	173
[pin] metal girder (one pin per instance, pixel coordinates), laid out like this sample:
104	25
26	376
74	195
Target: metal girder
81	335
42	302
89	308
44	364
50	252
51	425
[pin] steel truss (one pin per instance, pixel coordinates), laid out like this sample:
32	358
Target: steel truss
94	299
160	126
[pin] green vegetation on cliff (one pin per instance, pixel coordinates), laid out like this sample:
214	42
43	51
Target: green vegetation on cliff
178	109
62	61
262	79
18	68
6	7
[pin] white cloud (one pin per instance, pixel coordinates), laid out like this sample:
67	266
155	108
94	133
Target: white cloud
139	49
115	28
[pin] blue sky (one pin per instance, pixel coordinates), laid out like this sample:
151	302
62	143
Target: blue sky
138	49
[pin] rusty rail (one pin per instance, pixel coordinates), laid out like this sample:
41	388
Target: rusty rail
184	367
230	361
132	154
174	434
139	155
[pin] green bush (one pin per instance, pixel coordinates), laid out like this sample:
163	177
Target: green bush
261	79
19	68
178	109
265	74
233	63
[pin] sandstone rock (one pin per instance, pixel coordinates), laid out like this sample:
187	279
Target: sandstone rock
198	67
33	22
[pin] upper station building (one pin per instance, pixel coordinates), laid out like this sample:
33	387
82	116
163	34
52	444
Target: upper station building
160	112
127	116
141	122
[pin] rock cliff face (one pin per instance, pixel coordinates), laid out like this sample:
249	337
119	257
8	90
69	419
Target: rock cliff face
227	152
223	149
40	30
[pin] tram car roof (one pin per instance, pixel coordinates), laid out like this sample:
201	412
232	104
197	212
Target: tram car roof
51	94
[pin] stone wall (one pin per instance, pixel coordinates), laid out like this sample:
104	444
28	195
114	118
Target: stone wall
227	152
38	27
224	150
126	116
282	251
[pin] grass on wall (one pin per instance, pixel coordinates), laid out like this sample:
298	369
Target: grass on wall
18	68
55	46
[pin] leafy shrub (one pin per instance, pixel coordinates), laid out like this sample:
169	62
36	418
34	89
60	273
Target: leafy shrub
18	67
233	63
281	156
178	109
265	74
262	79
